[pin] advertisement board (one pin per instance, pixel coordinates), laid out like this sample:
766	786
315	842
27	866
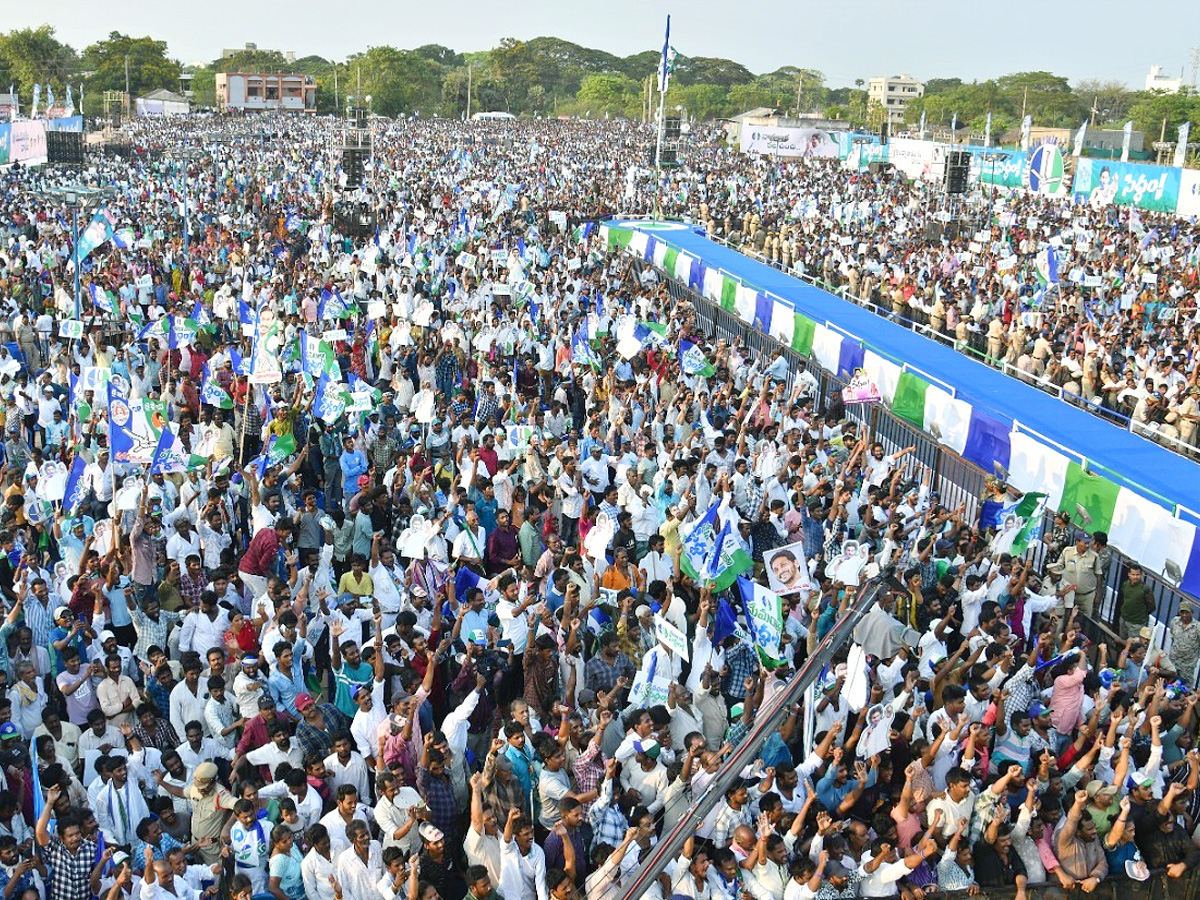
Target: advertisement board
811	143
914	158
1189	192
1104	181
27	141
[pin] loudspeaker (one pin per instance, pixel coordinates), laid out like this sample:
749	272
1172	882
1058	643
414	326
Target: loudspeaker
958	169
64	148
671	128
352	164
670	156
358	116
883	134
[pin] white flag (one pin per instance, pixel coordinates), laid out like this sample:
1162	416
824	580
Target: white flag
1181	145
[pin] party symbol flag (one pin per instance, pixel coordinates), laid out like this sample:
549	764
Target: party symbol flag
211	392
171	456
102	298
280	448
728	560
693	362
764	615
699	543
76	488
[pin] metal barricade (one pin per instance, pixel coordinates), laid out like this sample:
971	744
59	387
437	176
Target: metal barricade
958	481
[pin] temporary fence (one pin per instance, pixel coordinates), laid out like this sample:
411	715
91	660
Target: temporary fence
958	481
976	346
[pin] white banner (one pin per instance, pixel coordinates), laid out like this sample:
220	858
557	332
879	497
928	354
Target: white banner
671	637
812	143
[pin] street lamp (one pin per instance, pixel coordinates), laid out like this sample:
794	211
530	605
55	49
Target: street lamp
186	155
77	198
860	142
991	159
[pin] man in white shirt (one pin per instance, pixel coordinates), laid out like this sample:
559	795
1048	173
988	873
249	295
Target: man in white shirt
360	866
204	628
656	565
318	866
394	814
119	807
347	810
188	699
471	540
184	543
522	862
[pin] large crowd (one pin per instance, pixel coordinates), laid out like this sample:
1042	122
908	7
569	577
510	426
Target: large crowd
399	597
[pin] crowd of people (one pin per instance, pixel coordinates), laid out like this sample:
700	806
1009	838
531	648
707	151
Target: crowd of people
350	558
1115	328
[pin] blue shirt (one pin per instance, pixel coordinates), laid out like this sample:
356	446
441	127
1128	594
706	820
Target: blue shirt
118	605
353	464
285	686
831	795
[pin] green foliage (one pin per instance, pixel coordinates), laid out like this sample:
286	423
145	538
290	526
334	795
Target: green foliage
149	68
399	82
204	89
265	61
30	56
608	94
1152	108
548	75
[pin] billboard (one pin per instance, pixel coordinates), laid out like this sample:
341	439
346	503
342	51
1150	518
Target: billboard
1103	181
27	141
811	143
1189	192
916	159
5	131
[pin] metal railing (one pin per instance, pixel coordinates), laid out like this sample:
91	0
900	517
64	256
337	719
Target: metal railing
976	347
956	479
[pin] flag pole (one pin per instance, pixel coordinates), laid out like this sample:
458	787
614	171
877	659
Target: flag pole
245	411
662	96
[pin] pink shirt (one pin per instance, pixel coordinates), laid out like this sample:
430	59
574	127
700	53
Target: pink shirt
1067	700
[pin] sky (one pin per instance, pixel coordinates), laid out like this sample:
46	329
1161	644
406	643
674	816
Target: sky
845	39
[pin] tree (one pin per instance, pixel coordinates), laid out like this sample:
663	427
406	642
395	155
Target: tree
745	97
702	101
144	58
30	56
204	88
698	70
1151	108
611	93
516	69
938	85
436	53
399	82
1109	99
265	61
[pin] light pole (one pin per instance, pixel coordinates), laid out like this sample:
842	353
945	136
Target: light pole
187	155
77	197
991	159
860	142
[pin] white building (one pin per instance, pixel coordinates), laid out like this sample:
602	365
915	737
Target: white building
1158	81
259	92
894	94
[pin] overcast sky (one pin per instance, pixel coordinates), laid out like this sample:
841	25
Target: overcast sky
846	39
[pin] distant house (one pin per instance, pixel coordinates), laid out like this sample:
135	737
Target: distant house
163	103
260	92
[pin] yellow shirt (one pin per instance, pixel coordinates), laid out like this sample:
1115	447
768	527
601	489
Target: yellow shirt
363	588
